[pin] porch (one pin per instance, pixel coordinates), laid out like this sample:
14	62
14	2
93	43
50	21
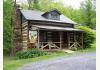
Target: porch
60	39
53	38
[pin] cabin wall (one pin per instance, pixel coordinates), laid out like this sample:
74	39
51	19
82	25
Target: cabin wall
51	24
25	34
46	35
33	37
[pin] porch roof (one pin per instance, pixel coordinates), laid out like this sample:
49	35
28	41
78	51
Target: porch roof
55	28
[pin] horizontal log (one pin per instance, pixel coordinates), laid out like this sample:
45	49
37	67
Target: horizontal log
24	44
24	34
24	29
24	24
24	41
24	37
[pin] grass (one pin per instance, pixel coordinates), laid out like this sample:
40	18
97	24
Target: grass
11	63
92	49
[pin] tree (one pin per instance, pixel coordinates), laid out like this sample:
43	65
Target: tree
30	4
88	14
33	4
7	33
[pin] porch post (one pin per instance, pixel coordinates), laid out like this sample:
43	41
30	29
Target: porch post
75	42
38	39
82	40
61	40
68	39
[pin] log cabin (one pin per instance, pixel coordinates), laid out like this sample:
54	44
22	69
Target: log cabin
45	30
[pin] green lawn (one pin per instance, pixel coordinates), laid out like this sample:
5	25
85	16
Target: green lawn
92	49
11	63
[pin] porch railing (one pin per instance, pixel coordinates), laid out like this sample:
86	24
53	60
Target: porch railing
49	44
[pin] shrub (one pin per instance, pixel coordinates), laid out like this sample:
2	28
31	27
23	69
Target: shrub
93	45
88	36
74	49
30	53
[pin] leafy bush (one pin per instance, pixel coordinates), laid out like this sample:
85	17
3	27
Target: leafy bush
74	49
88	36
30	53
93	45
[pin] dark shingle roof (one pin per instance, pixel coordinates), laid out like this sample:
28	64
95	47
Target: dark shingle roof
37	15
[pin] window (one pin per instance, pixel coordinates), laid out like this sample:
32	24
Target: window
55	16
